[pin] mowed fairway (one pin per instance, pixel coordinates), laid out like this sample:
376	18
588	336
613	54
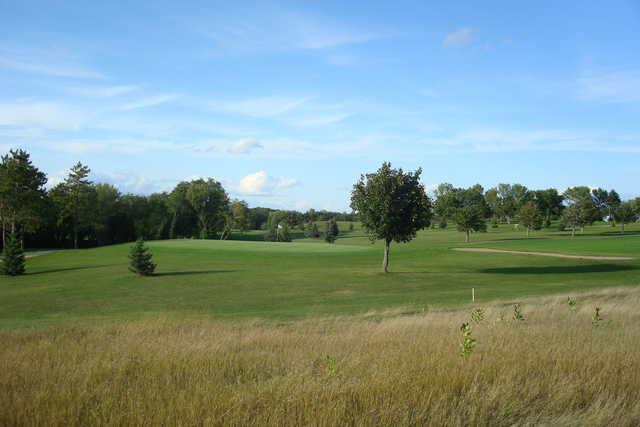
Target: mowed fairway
285	281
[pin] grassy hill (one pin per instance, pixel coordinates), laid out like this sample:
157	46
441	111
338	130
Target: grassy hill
240	279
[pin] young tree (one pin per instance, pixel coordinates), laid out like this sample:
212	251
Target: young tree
22	193
445	203
625	213
470	218
530	217
331	232
13	260
282	232
583	209
141	259
573	217
392	206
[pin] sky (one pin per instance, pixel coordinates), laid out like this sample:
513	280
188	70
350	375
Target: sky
288	103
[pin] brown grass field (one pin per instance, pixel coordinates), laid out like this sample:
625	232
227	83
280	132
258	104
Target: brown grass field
554	368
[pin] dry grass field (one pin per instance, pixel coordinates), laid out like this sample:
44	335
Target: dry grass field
553	368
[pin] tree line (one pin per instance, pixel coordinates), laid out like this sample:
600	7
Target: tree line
80	213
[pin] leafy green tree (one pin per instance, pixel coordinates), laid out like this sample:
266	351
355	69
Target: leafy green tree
75	199
22	193
312	230
607	202
240	215
573	217
282	232
210	202
584	211
470	218
13	260
549	204
182	214
106	213
625	213
445	204
392	206
141	259
332	231
530	217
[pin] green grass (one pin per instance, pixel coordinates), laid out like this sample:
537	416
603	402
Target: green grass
283	281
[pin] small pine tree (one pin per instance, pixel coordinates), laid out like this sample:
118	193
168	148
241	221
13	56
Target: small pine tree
13	260
141	259
331	233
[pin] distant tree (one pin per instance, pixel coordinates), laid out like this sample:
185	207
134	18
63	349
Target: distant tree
22	193
470	218
583	209
445	203
312	230
13	260
210	202
282	232
607	202
350	225
106	213
141	259
625	213
331	232
530	217
392	206
573	217
240	215
181	212
549	204
75	199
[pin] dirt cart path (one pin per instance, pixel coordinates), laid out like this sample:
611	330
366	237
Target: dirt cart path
548	254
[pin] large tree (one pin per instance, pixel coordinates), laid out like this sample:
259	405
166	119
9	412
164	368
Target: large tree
472	210
22	193
392	205
583	208
549	204
445	204
75	200
240	215
607	202
210	202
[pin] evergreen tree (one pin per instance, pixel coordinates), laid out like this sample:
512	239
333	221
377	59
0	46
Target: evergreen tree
331	233
13	261
141	259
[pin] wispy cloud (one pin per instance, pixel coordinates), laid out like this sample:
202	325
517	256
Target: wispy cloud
244	146
46	63
150	101
459	38
49	115
609	87
102	91
285	31
261	107
260	183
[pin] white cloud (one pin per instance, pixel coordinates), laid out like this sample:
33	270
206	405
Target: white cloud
459	38
259	183
244	146
610	87
261	107
40	114
150	101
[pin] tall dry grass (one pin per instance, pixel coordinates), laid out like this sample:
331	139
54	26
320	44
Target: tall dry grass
553	369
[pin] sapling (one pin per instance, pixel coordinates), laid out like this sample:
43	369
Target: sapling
468	342
517	313
572	303
597	319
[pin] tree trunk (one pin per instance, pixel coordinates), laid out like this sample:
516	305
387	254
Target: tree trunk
622	225
528	231
573	231
75	237
467	236
385	259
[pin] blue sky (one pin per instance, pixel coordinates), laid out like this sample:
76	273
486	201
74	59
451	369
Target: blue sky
288	103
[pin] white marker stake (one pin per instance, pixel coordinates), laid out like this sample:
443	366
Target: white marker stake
473	294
